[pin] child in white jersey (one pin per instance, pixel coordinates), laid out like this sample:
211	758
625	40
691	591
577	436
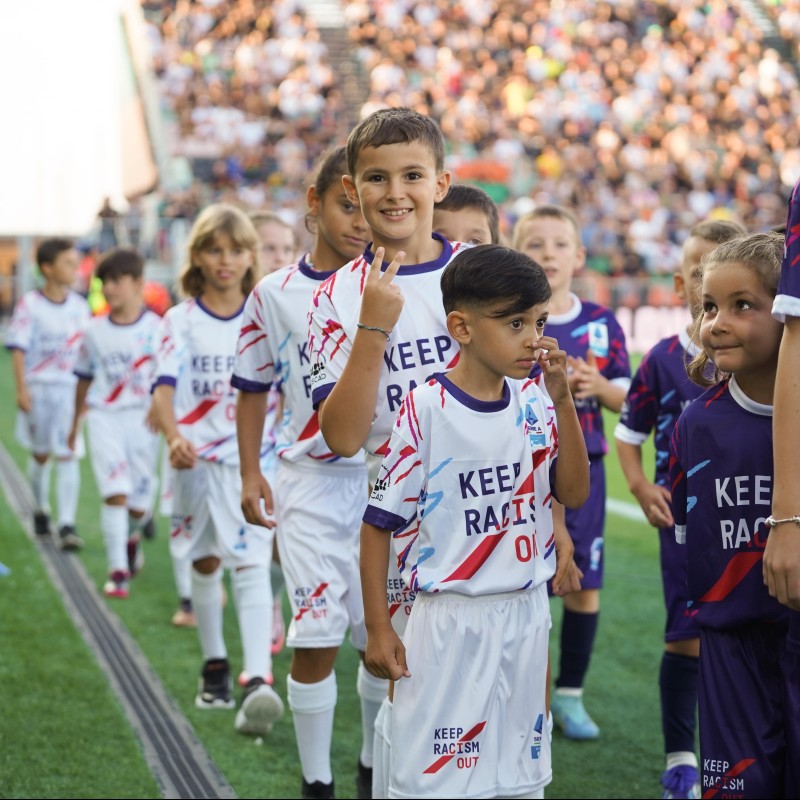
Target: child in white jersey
374	335
278	248
196	411
43	336
115	370
319	496
464	495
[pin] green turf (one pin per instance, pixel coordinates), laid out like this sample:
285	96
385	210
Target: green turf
60	719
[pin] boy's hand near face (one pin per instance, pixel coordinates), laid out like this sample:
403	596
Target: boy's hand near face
553	362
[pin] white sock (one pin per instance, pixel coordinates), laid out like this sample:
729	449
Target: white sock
681	757
39	475
182	571
207	607
382	744
312	706
372	692
253	595
114	525
68	486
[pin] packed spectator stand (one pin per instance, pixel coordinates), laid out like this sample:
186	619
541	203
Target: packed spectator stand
644	116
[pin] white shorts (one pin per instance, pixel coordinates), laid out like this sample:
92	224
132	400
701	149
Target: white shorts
319	521
207	518
123	453
471	720
44	429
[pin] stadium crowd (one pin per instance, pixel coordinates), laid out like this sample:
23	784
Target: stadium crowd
646	117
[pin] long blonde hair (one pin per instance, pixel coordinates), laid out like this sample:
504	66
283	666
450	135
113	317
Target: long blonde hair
763	253
216	218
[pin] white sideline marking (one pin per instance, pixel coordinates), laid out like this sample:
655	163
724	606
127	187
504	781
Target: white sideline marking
627	510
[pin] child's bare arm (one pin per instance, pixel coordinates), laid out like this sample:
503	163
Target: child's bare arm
23	394
781	568
385	656
568	575
251	409
81	390
182	454
654	499
346	415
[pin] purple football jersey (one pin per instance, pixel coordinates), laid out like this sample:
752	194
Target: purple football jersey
588	326
721	476
659	392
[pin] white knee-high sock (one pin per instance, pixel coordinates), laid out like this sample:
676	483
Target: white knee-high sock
253	595
312	707
39	476
207	606
68	486
372	692
114	525
182	571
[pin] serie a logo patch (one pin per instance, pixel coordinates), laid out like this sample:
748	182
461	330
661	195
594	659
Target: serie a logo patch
536	434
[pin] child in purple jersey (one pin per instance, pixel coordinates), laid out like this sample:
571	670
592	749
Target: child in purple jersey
43	336
660	390
721	475
195	409
464	495
782	555
599	378
319	496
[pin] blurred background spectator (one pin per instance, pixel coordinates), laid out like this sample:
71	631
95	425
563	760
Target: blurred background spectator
646	116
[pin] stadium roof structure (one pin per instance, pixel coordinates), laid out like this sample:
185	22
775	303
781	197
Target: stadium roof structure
77	122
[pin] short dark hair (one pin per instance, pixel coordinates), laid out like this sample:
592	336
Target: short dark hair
395	126
464	195
484	274
120	261
49	250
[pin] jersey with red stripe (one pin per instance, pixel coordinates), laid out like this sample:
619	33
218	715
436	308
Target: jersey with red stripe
466	489
119	360
49	334
195	354
418	347
787	300
273	350
721	477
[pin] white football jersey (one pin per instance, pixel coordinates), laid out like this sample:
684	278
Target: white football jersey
195	354
419	345
273	350
120	360
466	489
49	334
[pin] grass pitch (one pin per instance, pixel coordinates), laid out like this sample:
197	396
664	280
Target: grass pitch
64	733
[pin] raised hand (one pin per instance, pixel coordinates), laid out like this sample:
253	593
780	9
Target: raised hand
382	300
553	362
